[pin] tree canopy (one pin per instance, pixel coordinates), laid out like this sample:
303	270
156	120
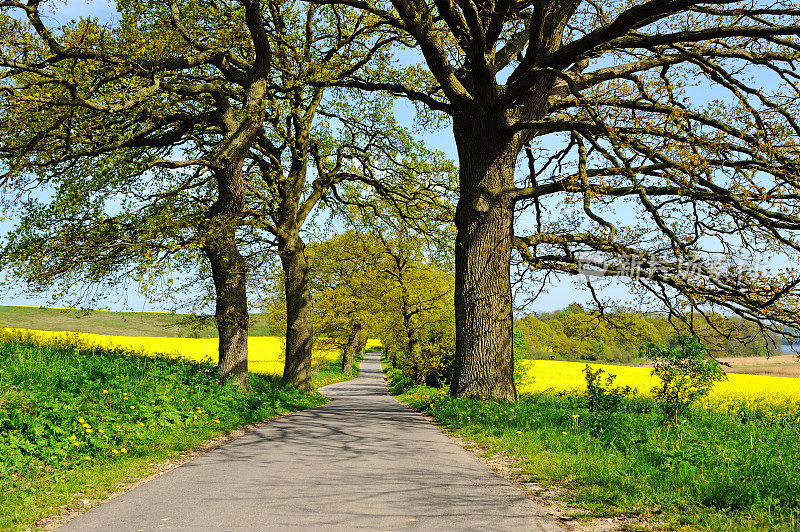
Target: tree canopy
161	144
661	139
661	142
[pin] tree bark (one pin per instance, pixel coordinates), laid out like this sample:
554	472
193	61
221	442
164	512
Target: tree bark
299	317
412	334
353	344
414	348
229	271
484	361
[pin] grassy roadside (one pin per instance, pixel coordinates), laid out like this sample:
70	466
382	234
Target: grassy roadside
737	469
330	371
76	422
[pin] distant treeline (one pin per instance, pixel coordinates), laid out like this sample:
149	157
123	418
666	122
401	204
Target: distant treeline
575	334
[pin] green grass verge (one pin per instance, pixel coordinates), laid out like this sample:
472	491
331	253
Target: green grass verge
75	421
330	372
732	470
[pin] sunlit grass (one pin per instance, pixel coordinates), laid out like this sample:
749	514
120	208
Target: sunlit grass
735	466
76	420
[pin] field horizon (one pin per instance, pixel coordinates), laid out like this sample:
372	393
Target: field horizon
117	322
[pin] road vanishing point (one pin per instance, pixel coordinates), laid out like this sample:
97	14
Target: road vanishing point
362	461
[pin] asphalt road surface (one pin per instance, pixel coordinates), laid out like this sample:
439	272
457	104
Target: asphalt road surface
362	461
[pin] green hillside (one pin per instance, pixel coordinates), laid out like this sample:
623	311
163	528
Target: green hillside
115	322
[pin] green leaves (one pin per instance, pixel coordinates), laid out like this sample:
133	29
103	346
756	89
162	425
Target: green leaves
686	371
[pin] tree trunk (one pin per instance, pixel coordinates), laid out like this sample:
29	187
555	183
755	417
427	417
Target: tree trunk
229	271
414	349
299	317
412	334
484	361
352	347
362	342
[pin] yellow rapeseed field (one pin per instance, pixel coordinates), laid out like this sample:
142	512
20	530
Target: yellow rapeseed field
266	353
557	375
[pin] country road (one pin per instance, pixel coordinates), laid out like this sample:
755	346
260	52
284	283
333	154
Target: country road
362	461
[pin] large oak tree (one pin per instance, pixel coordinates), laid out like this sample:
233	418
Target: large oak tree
661	134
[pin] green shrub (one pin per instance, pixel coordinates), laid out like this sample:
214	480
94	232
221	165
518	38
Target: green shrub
602	397
686	371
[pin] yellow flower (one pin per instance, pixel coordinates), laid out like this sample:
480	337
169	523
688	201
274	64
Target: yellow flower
123	450
565	433
87	426
81	420
101	431
132	407
105	391
88	458
89	431
115	451
73	437
519	432
576	416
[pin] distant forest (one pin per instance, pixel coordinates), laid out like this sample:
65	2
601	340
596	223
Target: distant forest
575	334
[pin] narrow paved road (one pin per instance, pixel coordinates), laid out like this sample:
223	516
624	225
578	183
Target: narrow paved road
363	461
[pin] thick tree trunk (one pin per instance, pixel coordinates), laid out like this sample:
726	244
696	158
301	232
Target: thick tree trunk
351	349
229	271
484	361
299	317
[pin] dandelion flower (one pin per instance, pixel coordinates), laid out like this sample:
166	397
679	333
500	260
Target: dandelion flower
123	450
81	420
73	437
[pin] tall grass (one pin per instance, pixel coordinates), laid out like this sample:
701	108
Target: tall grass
736	467
79	419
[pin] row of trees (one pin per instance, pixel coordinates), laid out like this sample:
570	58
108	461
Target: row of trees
573	333
186	134
205	130
386	287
